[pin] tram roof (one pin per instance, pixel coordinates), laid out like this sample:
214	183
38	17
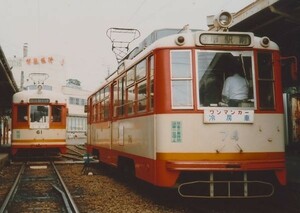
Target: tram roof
157	38
154	36
25	95
168	40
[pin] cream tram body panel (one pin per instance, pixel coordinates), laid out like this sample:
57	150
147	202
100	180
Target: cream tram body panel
146	136
133	136
266	134
39	136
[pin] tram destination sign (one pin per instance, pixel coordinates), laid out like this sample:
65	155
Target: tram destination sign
39	100
230	39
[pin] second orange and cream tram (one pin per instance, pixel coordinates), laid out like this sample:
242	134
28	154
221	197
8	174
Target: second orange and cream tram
161	116
39	121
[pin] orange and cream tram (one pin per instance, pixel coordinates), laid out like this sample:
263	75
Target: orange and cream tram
161	116
39	121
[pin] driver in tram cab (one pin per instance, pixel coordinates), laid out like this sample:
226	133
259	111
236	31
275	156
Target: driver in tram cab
235	88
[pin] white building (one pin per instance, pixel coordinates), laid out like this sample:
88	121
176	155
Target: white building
77	99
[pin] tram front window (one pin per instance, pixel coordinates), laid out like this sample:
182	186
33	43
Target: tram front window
225	79
39	114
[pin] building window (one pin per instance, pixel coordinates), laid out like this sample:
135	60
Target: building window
81	101
76	124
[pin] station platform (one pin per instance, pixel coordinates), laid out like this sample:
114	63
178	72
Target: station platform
4	155
293	168
4	159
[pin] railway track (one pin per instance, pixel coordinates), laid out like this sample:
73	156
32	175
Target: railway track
39	188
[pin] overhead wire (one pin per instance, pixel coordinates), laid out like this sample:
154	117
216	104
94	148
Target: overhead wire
154	13
136	11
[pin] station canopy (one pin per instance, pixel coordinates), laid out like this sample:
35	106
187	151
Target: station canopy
8	85
277	19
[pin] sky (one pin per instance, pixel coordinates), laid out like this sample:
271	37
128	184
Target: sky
76	29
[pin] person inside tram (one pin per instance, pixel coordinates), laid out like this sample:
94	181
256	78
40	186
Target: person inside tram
235	88
36	116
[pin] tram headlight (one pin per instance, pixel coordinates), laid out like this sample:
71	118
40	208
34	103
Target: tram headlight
223	19
180	40
265	41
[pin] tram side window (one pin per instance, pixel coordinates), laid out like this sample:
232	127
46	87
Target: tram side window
142	96
121	97
22	113
103	105
106	109
141	70
266	80
115	99
107	103
98	110
56	113
181	79
151	67
130	79
141	86
94	112
101	111
130	100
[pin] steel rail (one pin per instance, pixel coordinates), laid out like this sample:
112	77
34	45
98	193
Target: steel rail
64	197
13	189
68	194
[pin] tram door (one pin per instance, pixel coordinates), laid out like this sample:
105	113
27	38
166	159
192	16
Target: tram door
39	120
292	118
295	118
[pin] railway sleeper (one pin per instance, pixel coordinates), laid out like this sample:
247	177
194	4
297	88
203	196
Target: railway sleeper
226	188
28	198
